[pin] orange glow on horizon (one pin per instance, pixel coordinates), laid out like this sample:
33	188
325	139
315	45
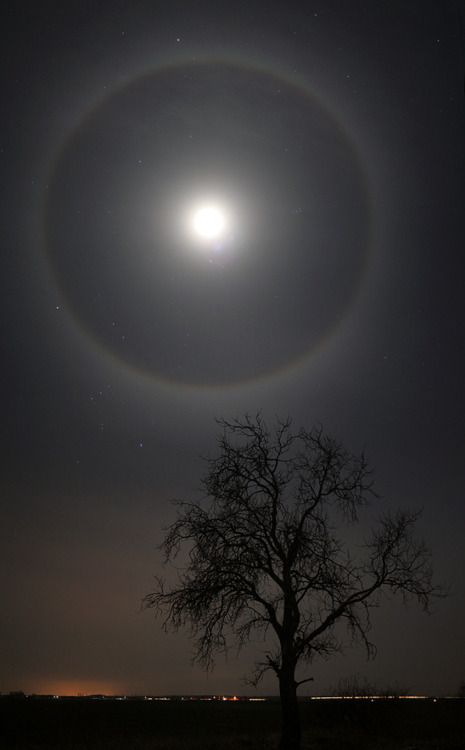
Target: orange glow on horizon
66	687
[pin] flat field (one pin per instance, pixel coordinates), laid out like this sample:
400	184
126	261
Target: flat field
82	724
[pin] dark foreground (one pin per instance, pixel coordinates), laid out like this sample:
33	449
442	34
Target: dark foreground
80	724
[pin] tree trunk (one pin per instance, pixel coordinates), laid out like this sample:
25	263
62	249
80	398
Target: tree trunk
290	728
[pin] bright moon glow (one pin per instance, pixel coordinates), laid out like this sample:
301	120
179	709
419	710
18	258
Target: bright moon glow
209	222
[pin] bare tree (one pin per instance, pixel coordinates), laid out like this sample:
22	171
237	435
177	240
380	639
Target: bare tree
263	554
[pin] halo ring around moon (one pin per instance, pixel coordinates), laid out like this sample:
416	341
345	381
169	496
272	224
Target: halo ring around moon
298	358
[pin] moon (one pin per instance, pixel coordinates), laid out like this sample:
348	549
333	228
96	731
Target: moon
209	222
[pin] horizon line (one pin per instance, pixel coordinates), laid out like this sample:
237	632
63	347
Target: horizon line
222	697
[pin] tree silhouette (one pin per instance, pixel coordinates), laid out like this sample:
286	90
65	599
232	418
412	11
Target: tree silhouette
263	554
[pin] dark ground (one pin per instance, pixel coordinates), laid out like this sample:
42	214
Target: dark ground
81	724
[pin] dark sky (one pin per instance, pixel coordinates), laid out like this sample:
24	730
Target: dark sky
332	135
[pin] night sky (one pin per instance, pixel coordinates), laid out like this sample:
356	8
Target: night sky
329	136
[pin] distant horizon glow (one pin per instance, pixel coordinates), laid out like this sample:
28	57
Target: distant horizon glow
65	688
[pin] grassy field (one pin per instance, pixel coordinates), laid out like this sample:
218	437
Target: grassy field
33	724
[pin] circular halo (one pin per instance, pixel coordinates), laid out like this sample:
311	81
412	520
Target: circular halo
264	369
